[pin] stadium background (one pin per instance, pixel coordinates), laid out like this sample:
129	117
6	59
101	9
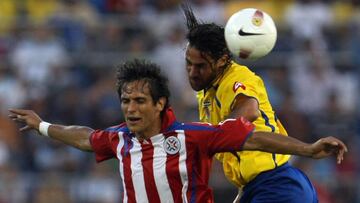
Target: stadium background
57	57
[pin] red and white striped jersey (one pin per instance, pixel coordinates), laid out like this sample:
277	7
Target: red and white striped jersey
172	166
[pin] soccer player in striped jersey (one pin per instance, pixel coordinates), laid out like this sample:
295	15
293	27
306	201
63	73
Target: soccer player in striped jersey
161	159
226	89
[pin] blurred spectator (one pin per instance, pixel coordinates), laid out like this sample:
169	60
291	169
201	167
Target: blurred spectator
102	98
12	90
75	20
160	17
111	38
37	57
100	187
129	7
312	78
57	58
210	11
14	185
9	138
8	15
38	11
295	122
276	82
308	18
50	188
173	48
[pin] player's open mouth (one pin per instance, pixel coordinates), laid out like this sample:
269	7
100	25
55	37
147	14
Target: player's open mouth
133	119
194	80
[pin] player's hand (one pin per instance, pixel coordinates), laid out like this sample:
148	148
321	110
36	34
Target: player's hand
28	117
328	146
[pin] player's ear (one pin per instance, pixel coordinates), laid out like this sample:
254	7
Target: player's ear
160	104
222	61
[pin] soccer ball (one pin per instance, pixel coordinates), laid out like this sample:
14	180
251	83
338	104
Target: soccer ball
250	33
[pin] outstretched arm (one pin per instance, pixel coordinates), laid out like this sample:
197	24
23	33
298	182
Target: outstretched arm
248	108
76	136
276	143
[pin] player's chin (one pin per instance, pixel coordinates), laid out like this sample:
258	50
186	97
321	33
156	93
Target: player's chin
196	86
133	128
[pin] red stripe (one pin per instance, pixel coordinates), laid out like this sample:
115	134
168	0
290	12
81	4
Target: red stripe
147	162
173	175
126	159
189	167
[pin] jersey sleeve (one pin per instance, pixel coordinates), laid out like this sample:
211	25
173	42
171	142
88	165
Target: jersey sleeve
101	143
230	135
234	87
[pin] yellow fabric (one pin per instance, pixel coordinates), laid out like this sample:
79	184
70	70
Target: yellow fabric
215	106
7	15
274	8
343	12
39	10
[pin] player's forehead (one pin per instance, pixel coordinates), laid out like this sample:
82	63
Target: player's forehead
195	56
136	88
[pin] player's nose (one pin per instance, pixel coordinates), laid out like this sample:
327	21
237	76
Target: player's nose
132	107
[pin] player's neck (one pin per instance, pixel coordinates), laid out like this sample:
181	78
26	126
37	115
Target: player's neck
216	80
153	130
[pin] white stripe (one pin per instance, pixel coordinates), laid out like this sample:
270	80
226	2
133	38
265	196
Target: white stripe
137	172
121	169
159	166
182	164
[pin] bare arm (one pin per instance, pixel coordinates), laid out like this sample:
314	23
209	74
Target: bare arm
244	106
76	136
248	108
276	143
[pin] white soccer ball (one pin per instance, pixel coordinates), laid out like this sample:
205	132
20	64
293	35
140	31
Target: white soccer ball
250	33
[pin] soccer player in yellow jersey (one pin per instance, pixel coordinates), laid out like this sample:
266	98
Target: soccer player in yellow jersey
229	90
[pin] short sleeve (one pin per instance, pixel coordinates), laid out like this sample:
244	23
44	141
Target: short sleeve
232	87
230	136
101	142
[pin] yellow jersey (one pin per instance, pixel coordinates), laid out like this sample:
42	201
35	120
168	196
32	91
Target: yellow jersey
215	104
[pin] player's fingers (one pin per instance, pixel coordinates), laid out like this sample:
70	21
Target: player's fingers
340	155
18	118
342	146
25	128
19	111
335	142
12	116
339	143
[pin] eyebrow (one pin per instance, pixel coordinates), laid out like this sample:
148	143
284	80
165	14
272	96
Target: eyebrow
196	64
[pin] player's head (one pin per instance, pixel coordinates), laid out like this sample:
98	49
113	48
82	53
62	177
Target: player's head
143	92
206	53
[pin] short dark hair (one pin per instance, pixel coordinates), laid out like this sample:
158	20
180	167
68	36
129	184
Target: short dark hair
150	73
208	38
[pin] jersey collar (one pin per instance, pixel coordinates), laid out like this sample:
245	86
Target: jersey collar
168	119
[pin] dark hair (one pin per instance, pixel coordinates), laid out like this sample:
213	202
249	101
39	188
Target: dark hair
150	73
206	37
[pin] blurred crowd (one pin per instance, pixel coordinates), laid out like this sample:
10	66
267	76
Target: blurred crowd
58	57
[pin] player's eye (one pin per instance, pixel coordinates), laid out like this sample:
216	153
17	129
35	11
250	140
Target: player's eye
125	101
200	65
188	63
140	101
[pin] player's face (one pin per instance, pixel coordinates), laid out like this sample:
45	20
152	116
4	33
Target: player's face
201	69
142	115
